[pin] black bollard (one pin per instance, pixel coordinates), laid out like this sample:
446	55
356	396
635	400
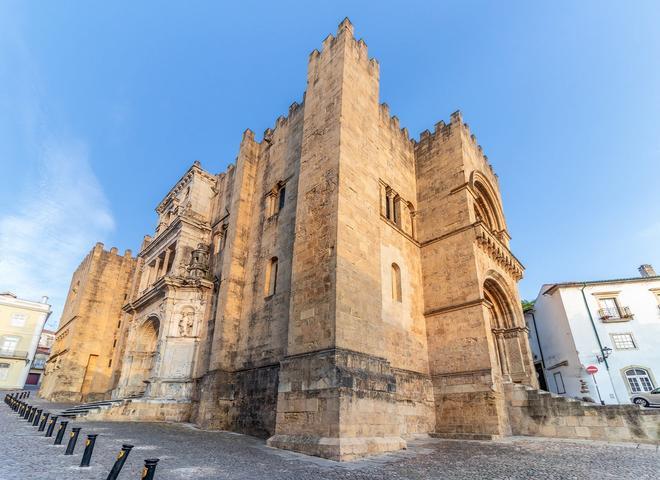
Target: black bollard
32	414
149	468
60	432
73	438
27	413
89	448
42	425
28	394
51	426
37	417
119	463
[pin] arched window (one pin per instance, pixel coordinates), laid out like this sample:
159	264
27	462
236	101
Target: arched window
639	380
485	208
396	283
271	277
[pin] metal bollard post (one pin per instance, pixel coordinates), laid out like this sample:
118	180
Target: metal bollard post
23	410
60	432
73	438
119	463
28	394
32	414
28	413
89	448
37	417
149	468
51	426
42	425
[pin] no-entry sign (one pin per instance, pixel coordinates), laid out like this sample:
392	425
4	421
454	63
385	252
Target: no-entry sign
591	369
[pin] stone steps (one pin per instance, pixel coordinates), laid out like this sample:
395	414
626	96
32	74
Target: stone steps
85	408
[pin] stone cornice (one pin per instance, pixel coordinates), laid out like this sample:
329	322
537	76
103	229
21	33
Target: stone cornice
172	231
496	249
160	288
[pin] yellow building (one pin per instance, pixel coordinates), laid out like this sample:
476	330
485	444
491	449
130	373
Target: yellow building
21	323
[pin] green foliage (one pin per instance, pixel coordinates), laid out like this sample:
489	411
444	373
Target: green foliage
527	305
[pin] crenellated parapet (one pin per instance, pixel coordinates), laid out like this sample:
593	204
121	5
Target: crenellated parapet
392	122
343	37
444	132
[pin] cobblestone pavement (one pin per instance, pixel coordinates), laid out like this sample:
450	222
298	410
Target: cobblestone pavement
188	453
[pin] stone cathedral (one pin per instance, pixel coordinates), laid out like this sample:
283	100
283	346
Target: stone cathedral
341	288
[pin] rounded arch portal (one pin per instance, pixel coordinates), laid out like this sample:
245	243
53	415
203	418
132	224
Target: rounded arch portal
509	336
142	354
487	207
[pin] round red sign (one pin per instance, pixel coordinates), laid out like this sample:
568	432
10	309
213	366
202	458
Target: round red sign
591	369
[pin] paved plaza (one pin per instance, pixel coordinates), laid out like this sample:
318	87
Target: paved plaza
189	453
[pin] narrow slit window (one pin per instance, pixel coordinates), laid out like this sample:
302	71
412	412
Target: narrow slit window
271	277
281	198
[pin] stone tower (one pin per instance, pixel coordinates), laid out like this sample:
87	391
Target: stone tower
80	365
476	330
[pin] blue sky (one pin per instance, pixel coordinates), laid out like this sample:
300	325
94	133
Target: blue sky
104	105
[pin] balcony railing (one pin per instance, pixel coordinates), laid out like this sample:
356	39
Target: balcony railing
11	353
618	314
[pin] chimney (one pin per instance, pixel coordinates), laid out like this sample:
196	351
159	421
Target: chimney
646	270
44	299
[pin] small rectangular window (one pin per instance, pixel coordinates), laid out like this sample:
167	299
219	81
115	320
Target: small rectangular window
623	341
18	320
559	382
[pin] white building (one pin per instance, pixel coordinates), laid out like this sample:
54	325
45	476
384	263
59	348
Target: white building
613	325
21	323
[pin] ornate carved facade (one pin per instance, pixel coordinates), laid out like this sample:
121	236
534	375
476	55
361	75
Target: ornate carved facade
340	288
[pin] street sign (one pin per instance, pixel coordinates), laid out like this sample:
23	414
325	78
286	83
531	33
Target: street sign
591	369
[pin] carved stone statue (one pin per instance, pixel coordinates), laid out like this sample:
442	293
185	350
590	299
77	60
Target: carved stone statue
186	323
199	262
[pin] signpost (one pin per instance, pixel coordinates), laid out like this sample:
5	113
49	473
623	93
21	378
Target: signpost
592	370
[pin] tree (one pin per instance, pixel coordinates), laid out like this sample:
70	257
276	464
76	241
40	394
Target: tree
527	305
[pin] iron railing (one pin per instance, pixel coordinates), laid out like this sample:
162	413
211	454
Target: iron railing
615	313
11	353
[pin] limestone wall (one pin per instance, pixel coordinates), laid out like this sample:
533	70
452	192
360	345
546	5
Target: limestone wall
80	366
537	413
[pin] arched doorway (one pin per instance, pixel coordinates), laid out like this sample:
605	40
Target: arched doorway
508	335
143	355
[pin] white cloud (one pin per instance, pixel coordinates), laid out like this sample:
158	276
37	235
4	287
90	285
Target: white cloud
58	210
57	218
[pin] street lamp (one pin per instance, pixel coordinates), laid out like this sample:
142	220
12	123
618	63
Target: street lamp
605	354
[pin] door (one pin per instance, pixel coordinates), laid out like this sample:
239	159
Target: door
87	384
32	379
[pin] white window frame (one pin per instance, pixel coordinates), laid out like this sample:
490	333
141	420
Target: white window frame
640	385
633	340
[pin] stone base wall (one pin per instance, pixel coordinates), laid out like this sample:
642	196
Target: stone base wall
62	397
244	401
538	413
469	405
342	405
143	410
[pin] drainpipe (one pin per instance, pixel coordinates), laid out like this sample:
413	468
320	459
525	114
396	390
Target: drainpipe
600	345
538	342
